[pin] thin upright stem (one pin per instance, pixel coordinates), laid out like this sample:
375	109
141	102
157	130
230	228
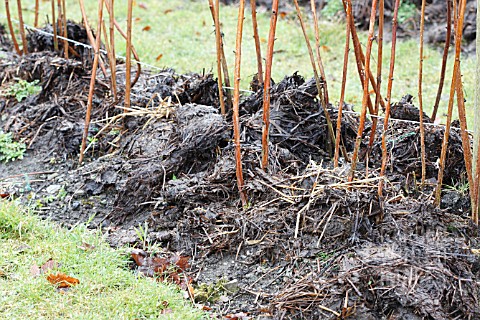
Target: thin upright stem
236	103
22	27
360	58
113	61
420	96
444	60
363	115
317	51
91	89
54	25
331	132
467	151
266	84
128	61
65	31
258	50
338	136
381	20
37	5
218	42
10	27
90	36
456	68
134	52
389	97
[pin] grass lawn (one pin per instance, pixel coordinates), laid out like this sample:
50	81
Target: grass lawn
182	32
108	289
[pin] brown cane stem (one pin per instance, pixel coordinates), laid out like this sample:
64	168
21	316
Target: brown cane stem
236	103
266	84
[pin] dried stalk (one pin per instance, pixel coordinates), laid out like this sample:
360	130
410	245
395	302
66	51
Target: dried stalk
253	5
420	96
10	27
90	36
319	57
54	25
236	103
365	90
467	152
113	60
360	58
218	42
224	59
358	52
65	32
128	61
342	91
266	84
444	59
91	90
134	52
381	10
331	132
22	27
456	68
389	97
37	4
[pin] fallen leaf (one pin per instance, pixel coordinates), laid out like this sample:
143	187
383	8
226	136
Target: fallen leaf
146	28
168	11
4	195
142	5
61	280
138	19
159	57
139	256
205	308
49	265
282	14
326	48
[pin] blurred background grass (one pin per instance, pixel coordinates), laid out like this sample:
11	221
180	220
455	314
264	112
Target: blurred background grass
181	35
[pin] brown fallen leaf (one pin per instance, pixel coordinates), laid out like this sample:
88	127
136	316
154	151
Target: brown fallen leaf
146	28
168	11
61	280
159	57
49	265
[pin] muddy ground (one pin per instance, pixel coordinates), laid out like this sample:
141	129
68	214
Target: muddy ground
309	245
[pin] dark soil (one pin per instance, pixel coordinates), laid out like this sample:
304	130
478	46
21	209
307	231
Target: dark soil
309	245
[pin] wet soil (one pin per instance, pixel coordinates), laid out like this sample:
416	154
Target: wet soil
310	245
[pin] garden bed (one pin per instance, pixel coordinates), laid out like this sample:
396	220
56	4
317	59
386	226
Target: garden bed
309	245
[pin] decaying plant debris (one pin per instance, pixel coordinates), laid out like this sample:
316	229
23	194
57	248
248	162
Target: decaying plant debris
310	244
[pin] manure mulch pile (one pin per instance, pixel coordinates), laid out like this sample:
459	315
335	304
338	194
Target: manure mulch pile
310	245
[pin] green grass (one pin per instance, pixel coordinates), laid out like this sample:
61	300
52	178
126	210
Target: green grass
107	289
182	31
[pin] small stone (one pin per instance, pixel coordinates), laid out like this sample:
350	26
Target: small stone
231	286
75	205
53	189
